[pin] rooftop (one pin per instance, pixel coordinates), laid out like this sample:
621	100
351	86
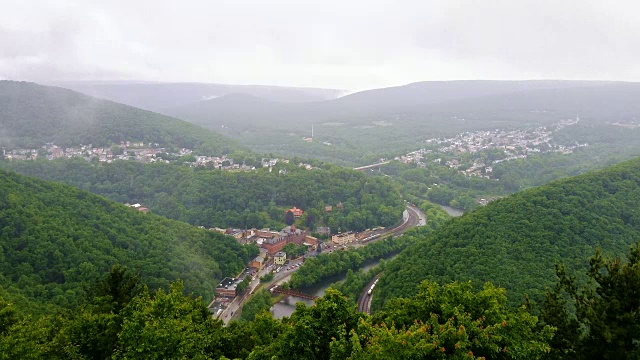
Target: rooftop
344	234
228	283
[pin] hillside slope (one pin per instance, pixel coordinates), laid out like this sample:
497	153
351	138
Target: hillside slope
238	111
515	242
55	238
32	115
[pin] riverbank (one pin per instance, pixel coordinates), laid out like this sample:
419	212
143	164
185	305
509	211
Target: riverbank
286	306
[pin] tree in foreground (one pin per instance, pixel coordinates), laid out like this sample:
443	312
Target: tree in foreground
289	219
600	320
169	325
443	322
311	329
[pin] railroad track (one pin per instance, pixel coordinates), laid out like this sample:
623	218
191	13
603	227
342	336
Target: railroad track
413	220
364	301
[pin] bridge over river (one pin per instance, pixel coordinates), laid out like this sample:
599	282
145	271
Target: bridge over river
372	166
278	290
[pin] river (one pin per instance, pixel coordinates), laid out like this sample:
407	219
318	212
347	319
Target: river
452	211
288	305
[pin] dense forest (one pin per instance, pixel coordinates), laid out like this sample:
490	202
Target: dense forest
120	318
515	241
54	239
32	115
234	199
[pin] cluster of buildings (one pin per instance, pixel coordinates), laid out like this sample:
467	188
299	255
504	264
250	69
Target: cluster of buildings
490	147
126	150
272	256
271	244
272	241
133	151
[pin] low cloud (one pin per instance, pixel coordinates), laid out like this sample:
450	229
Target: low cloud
352	45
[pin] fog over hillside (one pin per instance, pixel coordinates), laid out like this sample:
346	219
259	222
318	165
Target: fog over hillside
415	100
158	96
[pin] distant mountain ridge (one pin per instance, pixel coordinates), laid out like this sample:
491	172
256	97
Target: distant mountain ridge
412	101
434	92
32	115
158	96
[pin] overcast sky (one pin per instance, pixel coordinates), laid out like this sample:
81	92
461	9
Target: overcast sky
330	43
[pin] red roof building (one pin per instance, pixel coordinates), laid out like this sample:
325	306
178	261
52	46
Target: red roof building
296	212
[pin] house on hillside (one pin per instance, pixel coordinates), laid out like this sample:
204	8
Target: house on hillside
138	207
296	212
236	233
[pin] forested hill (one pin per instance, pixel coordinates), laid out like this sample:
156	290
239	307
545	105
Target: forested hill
435	106
54	239
515	242
32	115
233	199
